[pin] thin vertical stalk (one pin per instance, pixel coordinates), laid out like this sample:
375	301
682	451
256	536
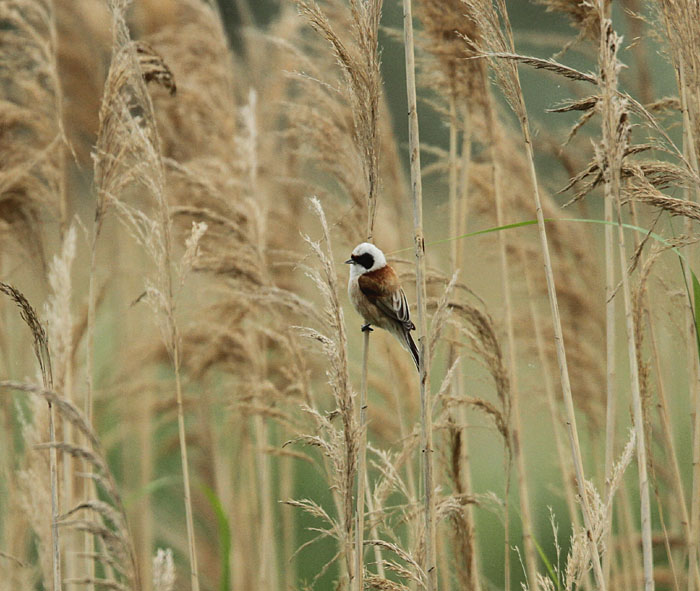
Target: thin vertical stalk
268	555
667	433
636	400
462	211
145	476
268	567
378	557
569	490
458	190
88	487
515	94
507	462
610	388
92	303
63	223
559	344
612	137
425	396
399	405
514	411
662	406
695	504
458	414
194	574
361	469
287	470
55	542
224	457
692	541
631	566
452	184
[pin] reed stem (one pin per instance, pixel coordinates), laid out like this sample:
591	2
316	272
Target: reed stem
429	541
194	573
694	532
514	413
560	349
361	469
55	542
611	397
613	137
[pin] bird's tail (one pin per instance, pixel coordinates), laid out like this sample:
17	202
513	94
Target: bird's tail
411	345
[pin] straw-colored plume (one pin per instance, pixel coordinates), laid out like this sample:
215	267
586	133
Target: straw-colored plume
31	132
581	13
358	58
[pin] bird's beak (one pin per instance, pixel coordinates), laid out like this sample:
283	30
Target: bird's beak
349	262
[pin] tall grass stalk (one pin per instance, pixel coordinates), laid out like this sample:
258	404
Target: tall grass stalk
680	25
462	214
361	469
610	386
173	344
63	210
559	342
643	316
563	455
690	154
88	543
496	176
498	40
429	534
458	192
615	135
191	547
128	153
514	414
54	502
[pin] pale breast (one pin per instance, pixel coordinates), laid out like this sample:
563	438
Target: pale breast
369	312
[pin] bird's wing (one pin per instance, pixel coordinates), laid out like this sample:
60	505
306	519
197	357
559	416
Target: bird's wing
382	288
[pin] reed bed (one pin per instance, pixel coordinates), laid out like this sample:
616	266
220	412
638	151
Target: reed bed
186	398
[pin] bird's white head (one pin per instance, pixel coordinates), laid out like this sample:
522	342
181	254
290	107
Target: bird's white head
365	258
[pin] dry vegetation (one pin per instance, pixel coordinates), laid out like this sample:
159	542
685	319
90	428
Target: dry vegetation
187	401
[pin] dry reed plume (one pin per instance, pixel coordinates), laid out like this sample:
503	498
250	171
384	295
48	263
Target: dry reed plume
188	401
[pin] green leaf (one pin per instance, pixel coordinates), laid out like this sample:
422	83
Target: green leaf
151	488
646	232
696	300
477	233
548	565
639	229
224	531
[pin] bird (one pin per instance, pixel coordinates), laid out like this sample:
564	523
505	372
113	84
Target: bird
378	297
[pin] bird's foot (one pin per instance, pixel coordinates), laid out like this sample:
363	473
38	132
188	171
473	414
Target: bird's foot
367	328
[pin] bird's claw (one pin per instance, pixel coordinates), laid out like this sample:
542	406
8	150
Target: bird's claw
367	328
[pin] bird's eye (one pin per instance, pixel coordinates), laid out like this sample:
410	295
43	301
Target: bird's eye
365	259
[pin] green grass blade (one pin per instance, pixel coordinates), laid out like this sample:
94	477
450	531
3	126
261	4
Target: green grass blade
639	229
477	233
224	531
657	237
696	300
151	489
553	575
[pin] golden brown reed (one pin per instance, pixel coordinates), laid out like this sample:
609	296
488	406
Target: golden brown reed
582	15
239	146
31	132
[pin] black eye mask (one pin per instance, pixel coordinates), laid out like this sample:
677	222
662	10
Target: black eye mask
366	260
